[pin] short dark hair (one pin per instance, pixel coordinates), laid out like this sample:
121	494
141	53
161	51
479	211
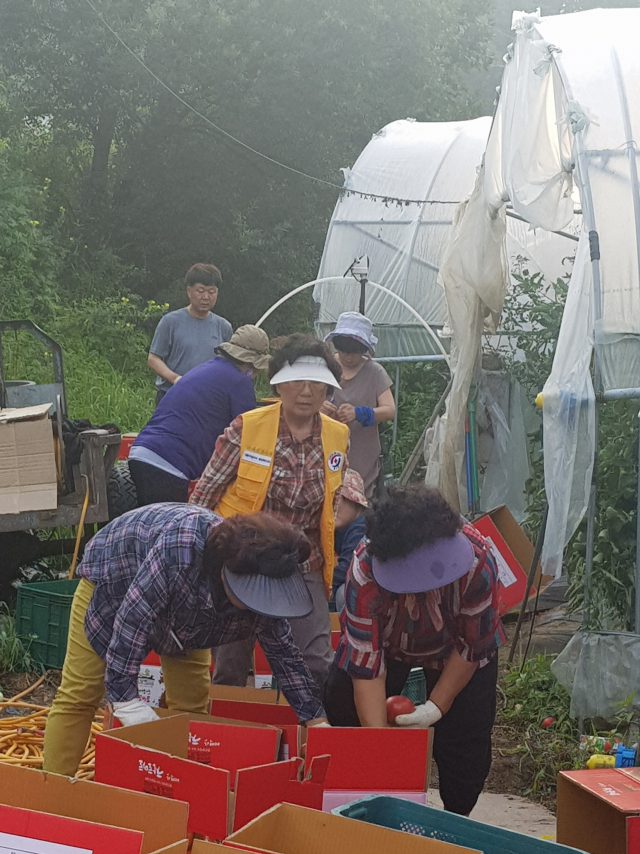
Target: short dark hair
294	346
409	517
347	344
203	274
240	542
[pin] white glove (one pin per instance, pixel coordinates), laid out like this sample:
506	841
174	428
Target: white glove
423	717
134	712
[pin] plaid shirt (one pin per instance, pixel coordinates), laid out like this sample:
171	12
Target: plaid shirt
150	593
421	629
296	488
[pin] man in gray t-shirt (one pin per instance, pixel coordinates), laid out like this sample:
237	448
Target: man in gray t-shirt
188	337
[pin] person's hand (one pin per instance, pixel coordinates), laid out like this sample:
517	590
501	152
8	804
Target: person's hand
329	409
347	413
131	712
176	378
423	717
317	722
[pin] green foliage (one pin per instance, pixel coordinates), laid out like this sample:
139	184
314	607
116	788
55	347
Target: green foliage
14	656
531	694
531	317
612	586
140	176
421	386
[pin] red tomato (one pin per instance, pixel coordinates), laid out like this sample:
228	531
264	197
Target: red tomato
398	706
607	747
547	722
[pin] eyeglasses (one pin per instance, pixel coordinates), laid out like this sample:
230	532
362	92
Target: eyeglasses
298	385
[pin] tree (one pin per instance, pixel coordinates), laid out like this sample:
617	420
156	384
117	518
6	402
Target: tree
304	83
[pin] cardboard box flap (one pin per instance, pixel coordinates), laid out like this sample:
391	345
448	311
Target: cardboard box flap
265	696
12	415
169	735
133	765
372	760
72	832
178	848
162	821
259	788
201	847
616	786
288	829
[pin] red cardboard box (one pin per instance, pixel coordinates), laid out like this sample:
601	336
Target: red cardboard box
152	757
287	829
161	824
259	789
599	810
260	705
28	824
223	743
513	554
391	761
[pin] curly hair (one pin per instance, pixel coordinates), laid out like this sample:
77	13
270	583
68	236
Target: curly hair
407	518
243	543
294	346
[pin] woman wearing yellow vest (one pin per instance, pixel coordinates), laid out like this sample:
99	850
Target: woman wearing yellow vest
289	459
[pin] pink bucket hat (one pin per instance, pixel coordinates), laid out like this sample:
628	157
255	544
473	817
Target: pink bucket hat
353	488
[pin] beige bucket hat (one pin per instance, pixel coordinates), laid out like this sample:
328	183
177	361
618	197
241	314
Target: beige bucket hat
248	344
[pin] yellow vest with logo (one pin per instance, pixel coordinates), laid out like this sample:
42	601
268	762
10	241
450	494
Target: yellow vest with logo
248	491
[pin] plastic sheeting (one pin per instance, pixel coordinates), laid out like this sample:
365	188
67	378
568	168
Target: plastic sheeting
614	658
570	109
474	274
426	162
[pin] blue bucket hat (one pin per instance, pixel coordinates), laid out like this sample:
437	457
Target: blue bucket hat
352	324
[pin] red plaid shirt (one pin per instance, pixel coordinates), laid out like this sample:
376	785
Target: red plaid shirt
421	629
296	488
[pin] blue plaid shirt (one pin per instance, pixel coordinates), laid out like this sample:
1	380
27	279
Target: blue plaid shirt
150	593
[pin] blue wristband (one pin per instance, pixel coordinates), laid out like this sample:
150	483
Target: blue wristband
365	415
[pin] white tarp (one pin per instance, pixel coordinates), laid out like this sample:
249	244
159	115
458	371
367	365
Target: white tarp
430	163
570	109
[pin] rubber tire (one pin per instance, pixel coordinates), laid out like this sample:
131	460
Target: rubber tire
121	491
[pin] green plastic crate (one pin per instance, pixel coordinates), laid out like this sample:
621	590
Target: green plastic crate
42	619
416	687
432	823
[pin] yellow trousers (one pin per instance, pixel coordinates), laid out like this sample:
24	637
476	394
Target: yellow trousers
186	680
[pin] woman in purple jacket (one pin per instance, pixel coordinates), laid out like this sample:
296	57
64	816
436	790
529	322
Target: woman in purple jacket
177	442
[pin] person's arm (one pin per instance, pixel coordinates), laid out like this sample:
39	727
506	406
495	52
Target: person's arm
163	371
160	349
292	674
369	415
360	653
350	542
456	674
146	597
370	698
221	469
385	408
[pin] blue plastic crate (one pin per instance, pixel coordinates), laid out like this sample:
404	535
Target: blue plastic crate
432	823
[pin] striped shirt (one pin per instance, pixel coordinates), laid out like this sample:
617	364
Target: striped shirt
151	594
295	491
421	629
